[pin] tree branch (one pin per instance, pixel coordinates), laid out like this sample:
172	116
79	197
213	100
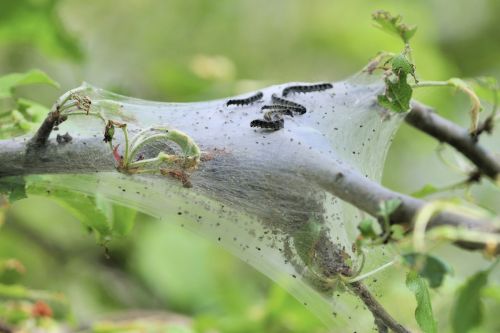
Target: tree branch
18	158
383	320
426	120
21	157
367	195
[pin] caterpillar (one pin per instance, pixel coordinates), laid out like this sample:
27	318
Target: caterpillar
270	115
281	101
246	101
268	124
272	120
283	108
306	88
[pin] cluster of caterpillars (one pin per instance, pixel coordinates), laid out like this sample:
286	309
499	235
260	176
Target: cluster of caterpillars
273	116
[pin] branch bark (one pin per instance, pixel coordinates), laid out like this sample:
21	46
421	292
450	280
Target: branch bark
383	320
19	157
427	121
367	195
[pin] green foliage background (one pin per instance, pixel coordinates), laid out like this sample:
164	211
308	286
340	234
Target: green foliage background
187	50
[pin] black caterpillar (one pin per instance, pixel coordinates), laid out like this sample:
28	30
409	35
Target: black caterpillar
273	115
273	119
268	124
246	101
308	88
286	109
296	106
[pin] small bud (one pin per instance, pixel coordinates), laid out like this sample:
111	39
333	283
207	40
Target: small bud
109	131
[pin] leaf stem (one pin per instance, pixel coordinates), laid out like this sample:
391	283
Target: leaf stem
462	86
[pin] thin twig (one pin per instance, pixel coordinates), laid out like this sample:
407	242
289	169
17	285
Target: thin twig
382	317
367	195
42	135
426	120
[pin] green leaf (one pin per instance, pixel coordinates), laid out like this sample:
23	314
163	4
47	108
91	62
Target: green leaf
423	312
386	208
26	117
400	64
492	292
426	190
366	229
34	111
397	95
82	207
9	82
429	267
468	310
14	187
121	218
397	232
393	25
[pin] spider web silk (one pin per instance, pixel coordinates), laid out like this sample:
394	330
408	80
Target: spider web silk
251	195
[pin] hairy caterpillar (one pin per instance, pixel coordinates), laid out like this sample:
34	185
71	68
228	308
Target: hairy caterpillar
268	124
246	101
306	88
270	115
283	108
272	119
281	101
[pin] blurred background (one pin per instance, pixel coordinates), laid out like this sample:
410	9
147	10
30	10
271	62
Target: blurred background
190	50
